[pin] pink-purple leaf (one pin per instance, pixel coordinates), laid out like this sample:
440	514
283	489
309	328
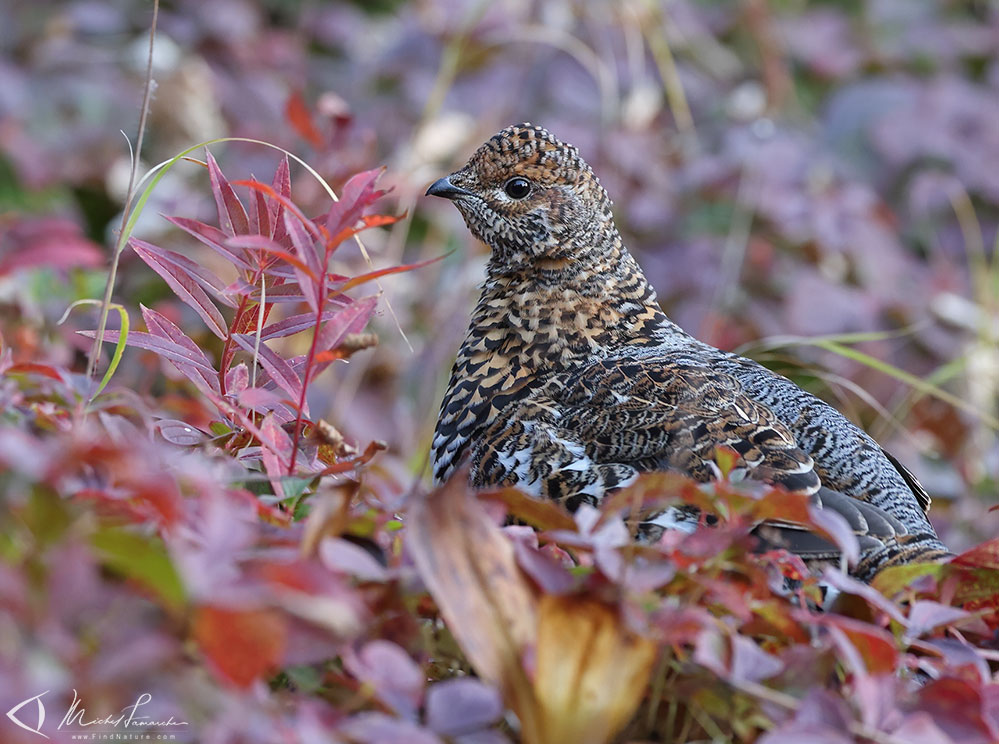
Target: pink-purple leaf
185	287
350	319
212	237
296	324
237	379
275	452
259	399
358	193
174	353
396	679
232	215
193	269
276	367
461	706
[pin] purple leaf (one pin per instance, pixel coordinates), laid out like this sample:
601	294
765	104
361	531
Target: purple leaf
278	369
397	680
212	237
180	432
305	247
232	216
378	728
346	557
462	705
185	287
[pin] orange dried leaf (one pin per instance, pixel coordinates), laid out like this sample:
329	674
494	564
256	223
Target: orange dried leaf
242	645
591	671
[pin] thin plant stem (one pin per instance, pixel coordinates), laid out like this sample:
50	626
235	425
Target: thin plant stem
95	349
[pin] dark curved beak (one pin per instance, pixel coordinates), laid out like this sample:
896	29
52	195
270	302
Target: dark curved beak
443	188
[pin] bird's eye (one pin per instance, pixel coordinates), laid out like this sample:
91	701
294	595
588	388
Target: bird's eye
517	188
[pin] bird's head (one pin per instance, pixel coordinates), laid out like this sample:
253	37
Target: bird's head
531	198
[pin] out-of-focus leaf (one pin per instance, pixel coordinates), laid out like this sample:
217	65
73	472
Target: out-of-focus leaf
344	556
470	569
463	705
925	616
957	708
232	215
242	645
378	728
396	680
985	555
590	671
298	115
143	559
543	514
876	647
184	286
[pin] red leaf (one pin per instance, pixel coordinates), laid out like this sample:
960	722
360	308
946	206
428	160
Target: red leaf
357	280
876	647
48	241
232	216
184	286
242	645
281	186
985	555
298	115
36	369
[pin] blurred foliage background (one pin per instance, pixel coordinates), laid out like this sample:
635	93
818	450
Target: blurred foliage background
787	172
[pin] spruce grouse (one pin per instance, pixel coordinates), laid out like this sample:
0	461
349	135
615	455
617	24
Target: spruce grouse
572	381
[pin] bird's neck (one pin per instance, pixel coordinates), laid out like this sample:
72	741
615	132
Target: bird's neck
560	310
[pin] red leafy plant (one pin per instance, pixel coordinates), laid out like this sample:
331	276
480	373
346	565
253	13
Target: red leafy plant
279	257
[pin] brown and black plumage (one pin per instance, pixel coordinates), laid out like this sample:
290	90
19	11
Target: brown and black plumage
572	381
